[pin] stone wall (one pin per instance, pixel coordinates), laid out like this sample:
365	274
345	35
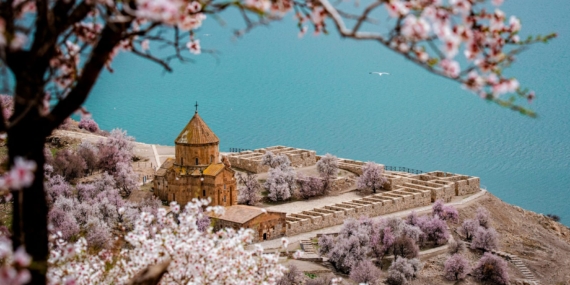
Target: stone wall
342	183
251	160
405	191
371	206
354	166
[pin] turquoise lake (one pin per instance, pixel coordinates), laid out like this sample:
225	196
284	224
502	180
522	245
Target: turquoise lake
272	88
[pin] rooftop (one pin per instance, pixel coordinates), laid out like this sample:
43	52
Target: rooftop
196	132
241	214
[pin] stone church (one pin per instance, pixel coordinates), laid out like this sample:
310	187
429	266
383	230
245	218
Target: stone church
196	171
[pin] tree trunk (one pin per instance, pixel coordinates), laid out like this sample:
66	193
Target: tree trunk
26	139
29	224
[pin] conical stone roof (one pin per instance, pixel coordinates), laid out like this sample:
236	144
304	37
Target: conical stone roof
196	132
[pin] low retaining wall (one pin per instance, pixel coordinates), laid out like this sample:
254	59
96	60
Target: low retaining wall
372	206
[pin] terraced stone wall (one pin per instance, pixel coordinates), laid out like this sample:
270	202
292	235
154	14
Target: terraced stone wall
251	160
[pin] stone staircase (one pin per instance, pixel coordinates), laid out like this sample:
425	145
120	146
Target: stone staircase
529	278
307	246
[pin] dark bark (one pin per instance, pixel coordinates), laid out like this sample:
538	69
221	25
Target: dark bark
26	139
29	129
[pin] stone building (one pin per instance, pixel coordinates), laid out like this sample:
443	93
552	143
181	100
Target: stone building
196	171
266	224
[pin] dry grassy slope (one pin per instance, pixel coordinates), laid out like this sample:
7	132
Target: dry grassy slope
542	244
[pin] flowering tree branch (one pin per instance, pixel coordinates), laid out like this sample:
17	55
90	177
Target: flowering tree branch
56	50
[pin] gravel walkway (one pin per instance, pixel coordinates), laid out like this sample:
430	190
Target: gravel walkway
299	206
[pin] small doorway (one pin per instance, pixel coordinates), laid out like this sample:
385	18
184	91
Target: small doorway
264	236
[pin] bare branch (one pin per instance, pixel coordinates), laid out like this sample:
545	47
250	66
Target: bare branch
163	63
341	27
150	275
364	15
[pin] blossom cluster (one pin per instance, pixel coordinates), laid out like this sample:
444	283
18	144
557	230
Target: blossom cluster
21	175
195	257
13	264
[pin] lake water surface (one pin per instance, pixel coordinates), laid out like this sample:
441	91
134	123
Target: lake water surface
270	88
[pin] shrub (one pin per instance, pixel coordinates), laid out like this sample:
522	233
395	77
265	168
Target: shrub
326	243
485	239
346	253
89	124
468	228
88	152
328	168
437	208
56	186
365	272
115	149
434	229
482	217
69	165
63	223
372	177
491	269
275	161
279	184
293	276
412	219
405	247
455	247
125	178
450	214
310	186
403	271
456	267
98	234
248	191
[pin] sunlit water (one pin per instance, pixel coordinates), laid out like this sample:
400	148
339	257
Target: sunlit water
271	88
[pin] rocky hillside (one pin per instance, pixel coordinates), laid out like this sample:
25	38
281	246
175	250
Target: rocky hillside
541	244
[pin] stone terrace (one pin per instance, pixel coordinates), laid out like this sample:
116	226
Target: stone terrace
251	160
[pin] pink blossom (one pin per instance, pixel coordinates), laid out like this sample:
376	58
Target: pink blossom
506	86
21	257
530	96
514	24
415	28
397	9
461	6
451	44
497	21
450	67
194	7
194	46
190	22
259	5
21	175
145	45
497	2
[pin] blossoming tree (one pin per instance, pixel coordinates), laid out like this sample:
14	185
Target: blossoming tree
55	50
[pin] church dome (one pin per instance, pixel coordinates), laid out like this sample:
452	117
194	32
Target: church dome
196	132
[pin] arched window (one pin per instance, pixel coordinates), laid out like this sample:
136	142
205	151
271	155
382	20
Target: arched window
204	193
196	161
